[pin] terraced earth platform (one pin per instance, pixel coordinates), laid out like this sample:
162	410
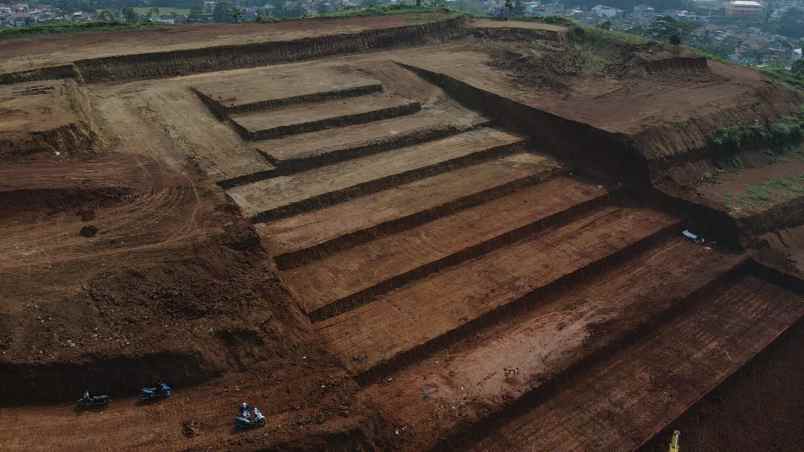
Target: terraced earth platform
483	295
343	143
257	92
298	118
281	195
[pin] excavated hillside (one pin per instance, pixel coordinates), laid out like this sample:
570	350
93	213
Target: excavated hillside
412	232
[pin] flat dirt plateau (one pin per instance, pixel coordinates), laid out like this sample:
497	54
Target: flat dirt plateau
414	232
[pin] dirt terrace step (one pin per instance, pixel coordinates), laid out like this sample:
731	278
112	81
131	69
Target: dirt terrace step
622	402
269	90
287	195
352	277
310	235
479	375
300	118
408	318
308	150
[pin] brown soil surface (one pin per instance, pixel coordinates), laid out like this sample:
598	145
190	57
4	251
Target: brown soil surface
28	53
688	355
783	249
514	24
293	119
649	106
250	92
355	271
413	315
750	191
492	269
44	118
307	400
174	286
286	192
406	202
478	376
329	143
757	408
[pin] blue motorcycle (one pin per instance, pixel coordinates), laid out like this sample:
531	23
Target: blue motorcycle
158	392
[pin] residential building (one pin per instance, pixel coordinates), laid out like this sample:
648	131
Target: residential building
607	12
744	8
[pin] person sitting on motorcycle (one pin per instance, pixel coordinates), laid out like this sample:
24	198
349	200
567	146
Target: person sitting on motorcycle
245	410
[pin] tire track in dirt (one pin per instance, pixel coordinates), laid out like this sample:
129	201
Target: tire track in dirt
157	209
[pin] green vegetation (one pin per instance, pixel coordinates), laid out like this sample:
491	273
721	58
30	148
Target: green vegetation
793	78
550	20
710	55
161	11
779	136
388	10
70	27
598	37
768	192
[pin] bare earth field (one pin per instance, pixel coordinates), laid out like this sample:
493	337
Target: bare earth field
40	51
390	233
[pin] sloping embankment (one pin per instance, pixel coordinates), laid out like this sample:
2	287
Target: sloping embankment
677	64
219	58
49	117
646	159
601	152
674	144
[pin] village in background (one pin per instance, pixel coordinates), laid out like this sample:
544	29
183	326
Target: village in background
767	33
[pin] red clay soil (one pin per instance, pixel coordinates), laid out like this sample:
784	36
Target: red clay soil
479	376
451	280
759	408
358	270
405	203
124	271
686	356
172	285
783	250
307	400
406	319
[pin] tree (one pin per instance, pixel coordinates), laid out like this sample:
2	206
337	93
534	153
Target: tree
792	23
129	15
105	16
223	12
798	68
665	27
519	8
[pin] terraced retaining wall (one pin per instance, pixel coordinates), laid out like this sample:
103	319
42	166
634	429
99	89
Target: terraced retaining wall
183	62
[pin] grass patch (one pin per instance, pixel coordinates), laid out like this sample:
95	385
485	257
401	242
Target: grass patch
762	195
163	11
709	55
550	20
780	136
70	27
599	37
387	10
781	74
